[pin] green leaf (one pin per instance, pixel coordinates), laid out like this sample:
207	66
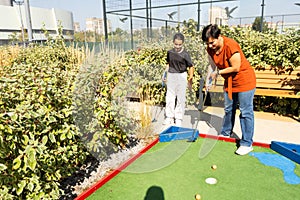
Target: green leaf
21	186
63	136
25	161
14	117
16	163
44	139
2	167
58	174
52	138
46	130
32	159
9	130
52	119
30	186
40	195
25	139
39	149
8	80
69	135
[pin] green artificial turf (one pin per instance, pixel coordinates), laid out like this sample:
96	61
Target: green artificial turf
177	171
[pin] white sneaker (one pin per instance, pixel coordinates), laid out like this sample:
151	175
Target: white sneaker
243	150
168	121
178	122
225	136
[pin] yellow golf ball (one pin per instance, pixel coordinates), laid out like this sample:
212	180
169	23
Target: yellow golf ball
197	197
214	167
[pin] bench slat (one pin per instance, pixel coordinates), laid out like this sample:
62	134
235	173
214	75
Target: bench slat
270	84
275	76
276	93
277	86
295	71
264	92
278	79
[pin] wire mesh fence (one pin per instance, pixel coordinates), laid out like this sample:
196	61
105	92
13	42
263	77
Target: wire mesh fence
278	22
148	15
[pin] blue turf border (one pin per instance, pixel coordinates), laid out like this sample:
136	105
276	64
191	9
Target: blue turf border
289	150
178	133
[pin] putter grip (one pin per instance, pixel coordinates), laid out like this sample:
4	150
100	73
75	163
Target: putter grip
200	105
163	79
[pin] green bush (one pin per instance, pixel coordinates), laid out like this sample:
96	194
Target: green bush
39	142
270	49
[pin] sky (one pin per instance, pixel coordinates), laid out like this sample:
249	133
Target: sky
83	9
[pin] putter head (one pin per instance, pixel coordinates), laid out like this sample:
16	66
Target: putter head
194	136
192	139
200	107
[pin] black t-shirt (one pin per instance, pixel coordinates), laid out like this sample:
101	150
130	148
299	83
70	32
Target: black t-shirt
178	62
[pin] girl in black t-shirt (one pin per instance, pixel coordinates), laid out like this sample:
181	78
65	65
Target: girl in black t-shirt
178	63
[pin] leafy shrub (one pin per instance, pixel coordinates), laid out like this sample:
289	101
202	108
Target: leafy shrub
280	51
39	142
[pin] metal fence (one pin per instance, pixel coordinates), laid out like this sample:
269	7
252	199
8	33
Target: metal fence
98	46
279	22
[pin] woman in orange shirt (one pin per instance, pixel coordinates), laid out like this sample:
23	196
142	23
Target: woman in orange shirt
239	85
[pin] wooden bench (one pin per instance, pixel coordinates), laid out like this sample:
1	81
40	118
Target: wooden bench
268	83
133	97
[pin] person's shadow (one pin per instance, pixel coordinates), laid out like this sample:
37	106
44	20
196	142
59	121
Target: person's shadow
213	121
155	193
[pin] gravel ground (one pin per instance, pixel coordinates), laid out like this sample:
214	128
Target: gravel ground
93	170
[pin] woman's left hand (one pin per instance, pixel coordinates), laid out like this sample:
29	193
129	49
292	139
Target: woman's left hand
190	83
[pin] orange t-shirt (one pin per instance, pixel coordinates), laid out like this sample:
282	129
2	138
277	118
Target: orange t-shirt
242	81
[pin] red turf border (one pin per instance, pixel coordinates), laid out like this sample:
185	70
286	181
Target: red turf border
226	139
104	180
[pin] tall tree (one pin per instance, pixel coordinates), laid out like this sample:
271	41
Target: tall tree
256	25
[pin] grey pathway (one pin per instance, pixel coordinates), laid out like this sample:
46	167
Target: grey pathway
268	126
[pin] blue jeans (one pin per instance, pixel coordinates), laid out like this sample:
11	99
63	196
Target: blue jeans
245	100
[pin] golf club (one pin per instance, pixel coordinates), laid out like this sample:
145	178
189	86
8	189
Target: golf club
199	107
157	114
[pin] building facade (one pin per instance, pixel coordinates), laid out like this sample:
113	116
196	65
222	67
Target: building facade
77	27
6	2
97	25
15	24
218	16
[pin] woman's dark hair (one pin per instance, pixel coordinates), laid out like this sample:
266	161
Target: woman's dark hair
211	30
178	36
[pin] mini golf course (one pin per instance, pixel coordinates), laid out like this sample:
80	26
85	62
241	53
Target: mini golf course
177	170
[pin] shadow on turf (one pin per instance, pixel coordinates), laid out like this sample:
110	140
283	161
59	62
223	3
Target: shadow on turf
212	121
155	193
